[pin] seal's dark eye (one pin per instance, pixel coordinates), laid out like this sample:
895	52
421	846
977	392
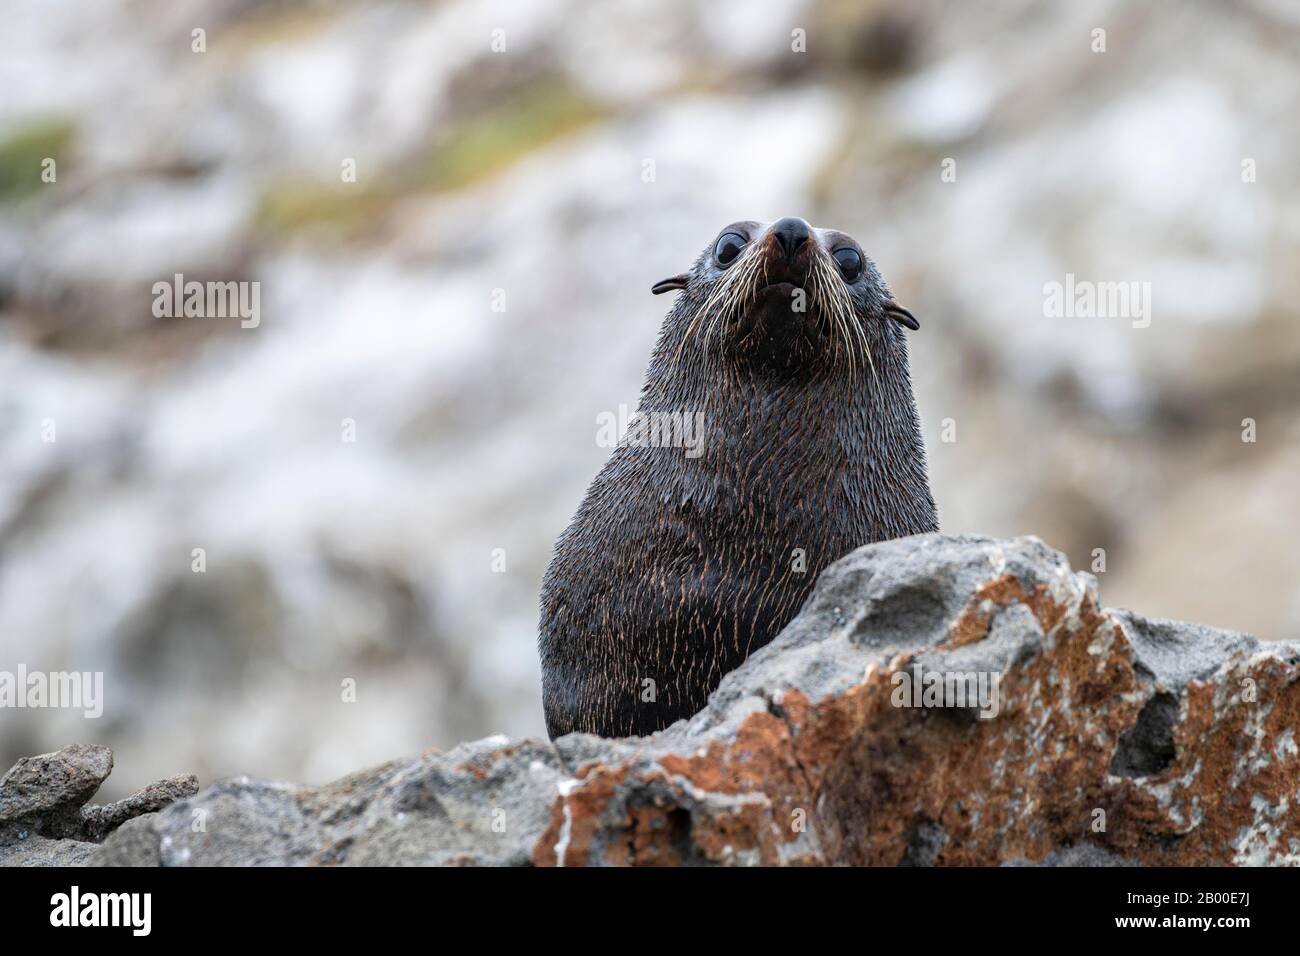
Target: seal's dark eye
849	261
729	247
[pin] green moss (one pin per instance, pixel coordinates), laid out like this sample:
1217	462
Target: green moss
290	207
491	141
23	151
485	142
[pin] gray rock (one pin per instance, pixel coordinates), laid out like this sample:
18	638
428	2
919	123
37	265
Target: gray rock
1084	854
53	784
44	820
30	849
483	803
1116	741
99	821
134	843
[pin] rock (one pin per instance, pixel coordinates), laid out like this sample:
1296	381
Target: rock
97	822
1080	855
480	804
1084	737
43	817
33	850
135	843
53	784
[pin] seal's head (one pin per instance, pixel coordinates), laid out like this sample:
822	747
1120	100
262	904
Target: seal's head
788	293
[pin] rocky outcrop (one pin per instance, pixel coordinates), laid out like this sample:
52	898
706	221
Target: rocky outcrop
43	816
939	700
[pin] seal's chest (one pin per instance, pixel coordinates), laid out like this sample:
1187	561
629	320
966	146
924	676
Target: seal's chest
758	493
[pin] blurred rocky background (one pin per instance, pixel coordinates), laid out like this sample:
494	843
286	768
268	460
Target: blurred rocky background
524	172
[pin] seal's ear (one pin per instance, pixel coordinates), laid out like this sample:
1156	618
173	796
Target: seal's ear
668	285
902	316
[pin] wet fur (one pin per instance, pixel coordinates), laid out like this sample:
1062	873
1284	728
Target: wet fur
675	569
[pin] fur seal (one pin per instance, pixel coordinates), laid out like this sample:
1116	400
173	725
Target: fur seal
787	348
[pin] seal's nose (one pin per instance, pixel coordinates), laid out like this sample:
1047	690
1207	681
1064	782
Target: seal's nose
791	233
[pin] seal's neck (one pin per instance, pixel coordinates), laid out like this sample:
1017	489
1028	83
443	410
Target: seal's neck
703	373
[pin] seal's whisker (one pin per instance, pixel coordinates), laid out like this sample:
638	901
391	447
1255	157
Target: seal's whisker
719	295
862	336
825	309
831	304
843	318
843	305
734	293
